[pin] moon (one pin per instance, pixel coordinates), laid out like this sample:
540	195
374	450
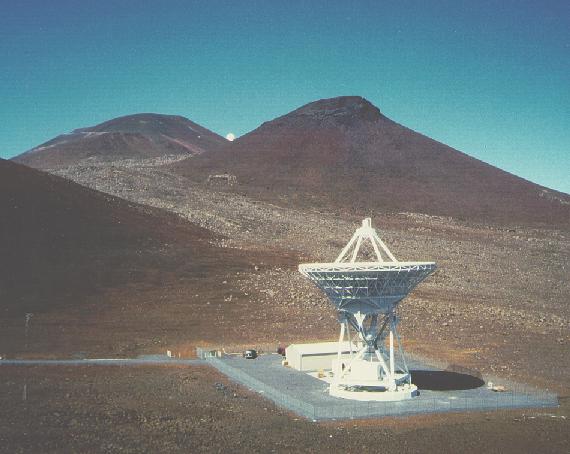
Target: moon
230	136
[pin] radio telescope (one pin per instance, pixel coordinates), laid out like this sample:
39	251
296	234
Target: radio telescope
366	295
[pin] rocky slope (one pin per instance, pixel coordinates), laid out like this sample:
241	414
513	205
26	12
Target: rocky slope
83	271
497	303
343	154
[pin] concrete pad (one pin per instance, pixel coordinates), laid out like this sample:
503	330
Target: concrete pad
309	396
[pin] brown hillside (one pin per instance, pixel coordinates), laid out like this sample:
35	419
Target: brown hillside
137	136
342	153
60	242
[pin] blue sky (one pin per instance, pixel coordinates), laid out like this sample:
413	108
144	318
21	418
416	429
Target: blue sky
489	78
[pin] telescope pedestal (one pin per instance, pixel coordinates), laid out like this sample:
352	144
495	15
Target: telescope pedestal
403	392
371	373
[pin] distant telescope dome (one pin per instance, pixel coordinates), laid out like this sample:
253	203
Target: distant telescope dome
230	136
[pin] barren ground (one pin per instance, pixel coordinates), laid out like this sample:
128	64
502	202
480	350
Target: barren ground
498	303
195	409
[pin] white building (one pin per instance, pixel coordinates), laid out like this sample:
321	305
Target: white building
317	356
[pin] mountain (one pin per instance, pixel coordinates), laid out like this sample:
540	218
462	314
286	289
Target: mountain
138	136
61	242
343	154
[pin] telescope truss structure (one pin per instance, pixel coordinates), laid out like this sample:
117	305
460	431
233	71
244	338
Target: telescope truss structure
366	295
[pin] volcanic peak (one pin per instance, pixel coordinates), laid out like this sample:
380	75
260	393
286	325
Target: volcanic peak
138	136
144	123
331	112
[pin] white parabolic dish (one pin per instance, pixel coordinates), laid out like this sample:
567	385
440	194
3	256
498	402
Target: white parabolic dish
367	287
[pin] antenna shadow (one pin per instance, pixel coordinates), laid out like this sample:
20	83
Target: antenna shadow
442	380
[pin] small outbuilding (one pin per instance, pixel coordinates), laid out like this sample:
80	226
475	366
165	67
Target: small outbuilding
316	356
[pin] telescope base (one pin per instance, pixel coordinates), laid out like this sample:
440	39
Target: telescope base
373	394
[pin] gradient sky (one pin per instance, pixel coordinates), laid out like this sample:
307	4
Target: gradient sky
490	78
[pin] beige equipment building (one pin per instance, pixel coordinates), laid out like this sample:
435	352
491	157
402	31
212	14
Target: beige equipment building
317	356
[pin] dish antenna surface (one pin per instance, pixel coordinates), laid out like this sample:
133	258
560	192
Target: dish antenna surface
366	295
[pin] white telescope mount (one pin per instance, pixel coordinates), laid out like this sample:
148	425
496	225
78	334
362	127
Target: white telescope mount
374	365
366	295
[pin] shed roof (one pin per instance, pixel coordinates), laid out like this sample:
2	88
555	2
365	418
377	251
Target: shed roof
320	347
